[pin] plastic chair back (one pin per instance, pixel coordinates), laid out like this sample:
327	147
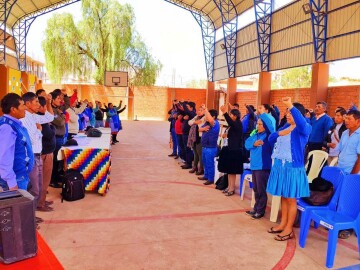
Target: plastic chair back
334	162
318	160
349	196
334	175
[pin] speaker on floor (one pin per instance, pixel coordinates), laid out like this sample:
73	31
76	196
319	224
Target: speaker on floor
17	226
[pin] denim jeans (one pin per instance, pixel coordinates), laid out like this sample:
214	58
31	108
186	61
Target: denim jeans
181	146
22	183
99	123
208	159
176	147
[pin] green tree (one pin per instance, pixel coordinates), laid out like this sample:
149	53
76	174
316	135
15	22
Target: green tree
104	39
299	77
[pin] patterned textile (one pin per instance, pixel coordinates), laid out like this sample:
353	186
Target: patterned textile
94	165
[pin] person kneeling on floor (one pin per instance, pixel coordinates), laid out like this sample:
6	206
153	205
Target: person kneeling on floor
260	163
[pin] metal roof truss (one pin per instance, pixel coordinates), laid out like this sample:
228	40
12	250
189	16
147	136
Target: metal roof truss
22	26
263	15
319	19
208	36
228	12
5	9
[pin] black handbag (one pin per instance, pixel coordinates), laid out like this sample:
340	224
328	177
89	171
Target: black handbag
321	192
318	198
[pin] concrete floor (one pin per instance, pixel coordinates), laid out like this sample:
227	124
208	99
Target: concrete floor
158	216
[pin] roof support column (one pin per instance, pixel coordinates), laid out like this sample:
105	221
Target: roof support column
319	83
263	96
231	91
20	32
5	9
210	95
263	14
228	11
319	18
208	36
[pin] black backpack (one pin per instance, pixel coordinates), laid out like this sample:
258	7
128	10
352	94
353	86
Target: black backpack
222	183
73	186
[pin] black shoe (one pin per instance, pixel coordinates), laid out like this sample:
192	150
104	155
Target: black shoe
193	170
185	167
200	172
230	193
345	234
116	141
202	178
172	155
250	213
38	220
208	182
257	216
176	157
55	185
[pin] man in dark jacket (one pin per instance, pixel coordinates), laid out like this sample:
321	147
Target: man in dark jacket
48	144
60	103
189	112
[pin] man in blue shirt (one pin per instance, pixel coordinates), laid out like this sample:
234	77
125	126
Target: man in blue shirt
349	145
16	154
321	124
209	144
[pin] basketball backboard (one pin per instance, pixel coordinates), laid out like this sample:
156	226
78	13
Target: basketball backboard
116	78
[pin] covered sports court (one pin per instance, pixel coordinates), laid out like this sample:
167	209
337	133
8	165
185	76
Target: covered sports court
158	217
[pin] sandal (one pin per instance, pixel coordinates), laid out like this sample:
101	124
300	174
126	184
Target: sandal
230	193
272	231
225	190
344	234
284	237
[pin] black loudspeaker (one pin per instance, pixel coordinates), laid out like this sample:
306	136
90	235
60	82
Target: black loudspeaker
17	226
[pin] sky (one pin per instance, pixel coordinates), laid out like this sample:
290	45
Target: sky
171	33
173	37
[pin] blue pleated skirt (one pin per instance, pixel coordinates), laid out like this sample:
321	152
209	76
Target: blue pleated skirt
287	181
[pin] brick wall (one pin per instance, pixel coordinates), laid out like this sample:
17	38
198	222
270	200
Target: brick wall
301	95
343	96
248	98
196	95
150	102
153	103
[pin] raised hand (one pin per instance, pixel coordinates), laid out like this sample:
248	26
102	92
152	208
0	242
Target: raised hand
287	101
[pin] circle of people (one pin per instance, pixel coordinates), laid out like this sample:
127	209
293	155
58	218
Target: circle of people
275	148
33	129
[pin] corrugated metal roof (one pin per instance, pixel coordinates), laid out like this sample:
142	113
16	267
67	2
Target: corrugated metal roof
209	8
206	7
25	7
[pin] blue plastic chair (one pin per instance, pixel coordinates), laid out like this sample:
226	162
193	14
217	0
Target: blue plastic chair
245	172
335	176
347	216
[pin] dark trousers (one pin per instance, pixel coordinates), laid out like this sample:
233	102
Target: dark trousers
259	180
189	155
181	146
57	165
198	157
176	149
